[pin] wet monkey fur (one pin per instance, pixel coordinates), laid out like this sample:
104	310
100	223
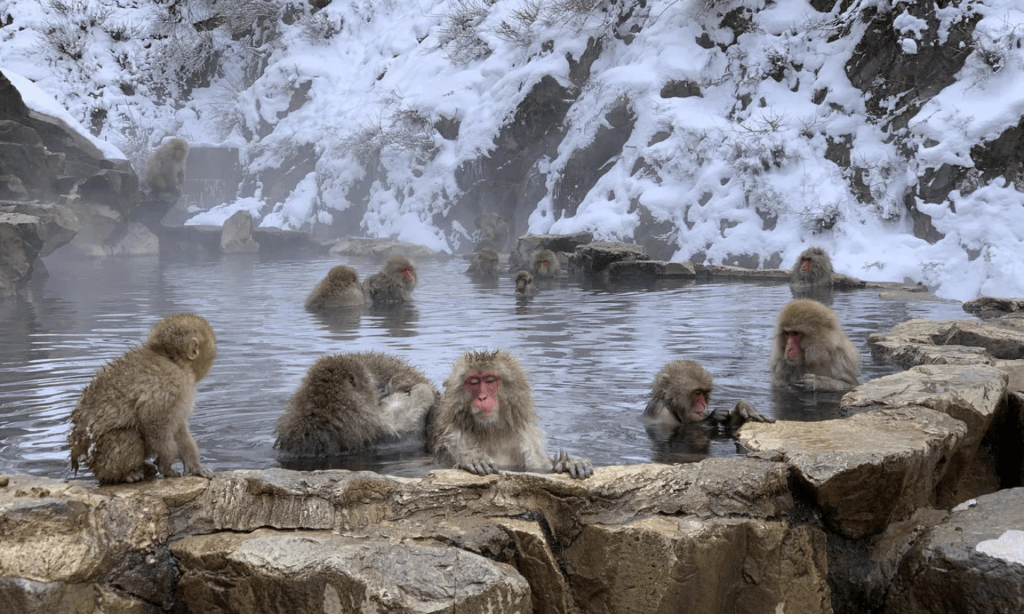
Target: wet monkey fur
487	421
138	406
810	349
165	169
339	289
393	284
681	396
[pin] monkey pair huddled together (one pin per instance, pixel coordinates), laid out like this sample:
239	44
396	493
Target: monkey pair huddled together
341	288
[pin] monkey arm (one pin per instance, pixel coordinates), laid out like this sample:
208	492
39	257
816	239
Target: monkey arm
189	451
810	381
742	412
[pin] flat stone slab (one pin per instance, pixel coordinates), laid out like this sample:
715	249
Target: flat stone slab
973	563
1001	337
969	393
269	571
867	470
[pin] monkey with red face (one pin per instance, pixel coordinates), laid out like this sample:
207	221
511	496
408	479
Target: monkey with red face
810	349
394	284
681	396
813	268
544	264
487	421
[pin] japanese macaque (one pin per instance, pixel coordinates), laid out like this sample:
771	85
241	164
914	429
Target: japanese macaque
544	264
524	285
165	169
350	402
487	422
484	264
813	268
681	395
394	284
810	349
137	407
340	289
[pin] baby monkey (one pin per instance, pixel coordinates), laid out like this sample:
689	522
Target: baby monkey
681	396
137	407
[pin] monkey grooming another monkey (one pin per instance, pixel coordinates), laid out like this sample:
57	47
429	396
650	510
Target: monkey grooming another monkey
544	264
524	285
165	169
137	407
810	350
681	395
487	421
484	264
350	402
394	284
341	288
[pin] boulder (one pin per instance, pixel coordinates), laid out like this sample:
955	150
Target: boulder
674	564
382	249
868	470
987	307
237	236
21	242
593	258
972	563
638	270
270	571
1001	338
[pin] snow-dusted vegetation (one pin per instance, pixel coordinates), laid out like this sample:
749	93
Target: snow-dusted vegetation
722	131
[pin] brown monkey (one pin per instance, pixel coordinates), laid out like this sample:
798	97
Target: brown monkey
487	420
681	395
544	264
341	288
813	268
350	402
165	169
811	350
137	407
484	264
524	284
394	284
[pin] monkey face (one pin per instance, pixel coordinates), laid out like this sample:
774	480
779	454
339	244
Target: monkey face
793	349
406	274
483	390
699	403
806	266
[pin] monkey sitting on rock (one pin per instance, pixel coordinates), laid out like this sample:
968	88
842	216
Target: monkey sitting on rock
165	169
137	407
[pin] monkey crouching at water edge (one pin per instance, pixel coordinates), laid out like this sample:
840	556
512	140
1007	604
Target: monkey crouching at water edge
487	421
138	406
165	169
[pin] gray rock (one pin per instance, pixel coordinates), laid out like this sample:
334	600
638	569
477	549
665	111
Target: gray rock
868	470
593	258
560	244
973	563
382	249
1002	337
21	240
269	571
237	234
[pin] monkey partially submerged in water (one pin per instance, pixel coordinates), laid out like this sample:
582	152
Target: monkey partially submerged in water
137	407
393	284
351	402
487	421
338	290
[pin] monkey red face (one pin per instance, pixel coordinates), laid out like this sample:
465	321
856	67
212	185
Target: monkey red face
542	266
483	388
793	346
406	273
806	266
700	402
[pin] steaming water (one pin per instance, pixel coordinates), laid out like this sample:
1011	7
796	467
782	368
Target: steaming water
591	352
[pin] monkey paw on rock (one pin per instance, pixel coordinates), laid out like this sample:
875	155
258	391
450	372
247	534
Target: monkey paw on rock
478	463
578	468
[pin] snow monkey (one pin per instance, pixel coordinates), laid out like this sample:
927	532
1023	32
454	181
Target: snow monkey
487	421
350	402
810	350
341	288
524	284
394	284
493	229
137	407
544	264
813	268
681	396
165	169
484	264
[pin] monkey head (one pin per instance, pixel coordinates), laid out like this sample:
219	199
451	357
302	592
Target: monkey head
188	340
402	270
341	276
684	388
803	328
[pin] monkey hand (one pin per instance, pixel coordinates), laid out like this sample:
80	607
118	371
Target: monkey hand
745	412
578	468
477	462
200	471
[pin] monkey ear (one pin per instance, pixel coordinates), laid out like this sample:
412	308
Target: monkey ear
193	349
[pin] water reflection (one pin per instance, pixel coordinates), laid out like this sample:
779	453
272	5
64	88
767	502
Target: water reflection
592	351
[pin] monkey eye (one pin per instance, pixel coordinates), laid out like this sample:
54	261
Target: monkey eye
487	378
490	378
